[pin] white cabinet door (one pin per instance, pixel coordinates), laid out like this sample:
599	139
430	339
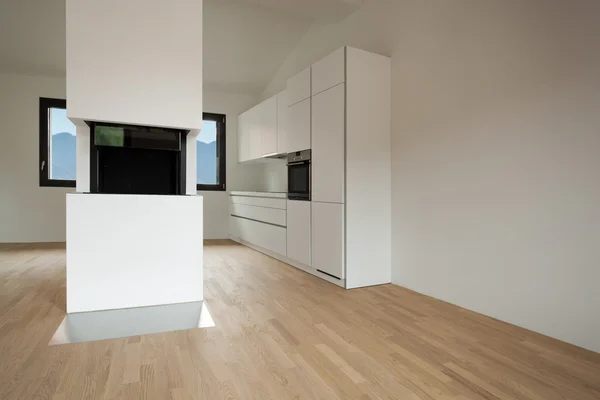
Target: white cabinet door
243	137
328	149
298	87
268	111
299	126
328	238
298	231
282	122
255	117
328	72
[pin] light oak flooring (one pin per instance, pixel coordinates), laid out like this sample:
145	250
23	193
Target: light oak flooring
280	334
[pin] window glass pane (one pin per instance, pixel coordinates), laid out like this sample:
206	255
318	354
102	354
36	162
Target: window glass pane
207	170
62	145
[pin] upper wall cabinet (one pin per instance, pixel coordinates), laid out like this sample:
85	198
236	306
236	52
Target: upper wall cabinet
268	126
328	72
250	134
282	122
244	137
298	87
262	130
255	135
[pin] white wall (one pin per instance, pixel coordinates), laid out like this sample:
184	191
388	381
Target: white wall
496	143
145	70
239	176
28	212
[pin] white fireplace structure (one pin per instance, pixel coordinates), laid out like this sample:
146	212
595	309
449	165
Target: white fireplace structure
134	63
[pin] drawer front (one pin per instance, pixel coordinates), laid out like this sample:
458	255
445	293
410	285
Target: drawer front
264	214
269	237
260	201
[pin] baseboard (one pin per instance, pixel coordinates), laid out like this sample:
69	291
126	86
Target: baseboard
33	245
338	282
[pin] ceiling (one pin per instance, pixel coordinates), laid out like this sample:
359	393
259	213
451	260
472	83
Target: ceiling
245	41
32	37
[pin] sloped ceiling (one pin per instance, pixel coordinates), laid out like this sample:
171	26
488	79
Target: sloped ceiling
321	10
245	41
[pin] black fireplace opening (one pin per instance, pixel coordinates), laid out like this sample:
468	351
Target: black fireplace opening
126	159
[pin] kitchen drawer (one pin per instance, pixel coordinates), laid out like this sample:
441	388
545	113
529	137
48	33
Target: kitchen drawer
260	201
264	214
269	237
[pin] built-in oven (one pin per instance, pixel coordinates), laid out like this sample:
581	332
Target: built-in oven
298	165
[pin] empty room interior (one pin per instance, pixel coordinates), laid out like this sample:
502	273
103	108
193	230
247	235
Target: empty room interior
300	199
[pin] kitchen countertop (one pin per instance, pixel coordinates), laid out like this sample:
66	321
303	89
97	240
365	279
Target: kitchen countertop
277	195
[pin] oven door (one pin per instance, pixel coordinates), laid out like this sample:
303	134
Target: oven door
299	180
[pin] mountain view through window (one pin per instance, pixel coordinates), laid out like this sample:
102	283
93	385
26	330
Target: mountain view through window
62	145
206	154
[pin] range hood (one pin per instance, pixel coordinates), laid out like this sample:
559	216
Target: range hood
275	156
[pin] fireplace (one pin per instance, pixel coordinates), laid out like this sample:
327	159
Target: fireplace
126	159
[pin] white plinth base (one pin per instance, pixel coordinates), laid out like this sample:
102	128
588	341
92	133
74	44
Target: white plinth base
127	251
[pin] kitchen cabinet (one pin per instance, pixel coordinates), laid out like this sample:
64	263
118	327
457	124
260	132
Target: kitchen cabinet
340	108
244	137
368	169
328	238
272	216
255	135
329	71
266	236
261	130
328	140
268	126
299	126
259	221
299	231
298	87
282	122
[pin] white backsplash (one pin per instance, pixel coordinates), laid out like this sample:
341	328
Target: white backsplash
276	176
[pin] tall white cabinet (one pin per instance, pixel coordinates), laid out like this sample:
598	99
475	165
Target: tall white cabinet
351	167
328	145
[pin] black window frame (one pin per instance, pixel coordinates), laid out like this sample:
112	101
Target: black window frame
46	104
221	121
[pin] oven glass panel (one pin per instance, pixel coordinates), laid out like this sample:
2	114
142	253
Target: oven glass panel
298	178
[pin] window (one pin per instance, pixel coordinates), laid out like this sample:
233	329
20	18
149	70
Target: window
210	153
58	148
57	144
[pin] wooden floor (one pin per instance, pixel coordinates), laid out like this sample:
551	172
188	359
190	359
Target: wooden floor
280	334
